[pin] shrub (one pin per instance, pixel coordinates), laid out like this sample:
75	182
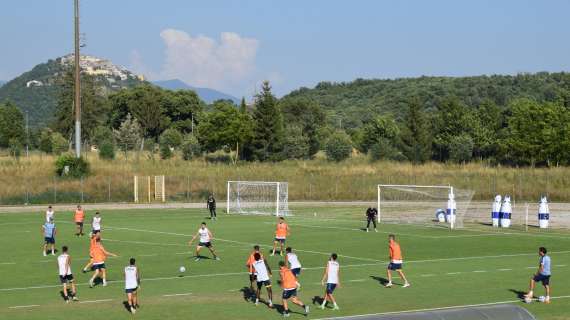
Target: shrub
15	148
107	150
165	152
191	148
171	138
76	167
383	149
338	147
45	143
59	143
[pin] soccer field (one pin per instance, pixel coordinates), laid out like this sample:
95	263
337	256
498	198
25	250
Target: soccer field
476	265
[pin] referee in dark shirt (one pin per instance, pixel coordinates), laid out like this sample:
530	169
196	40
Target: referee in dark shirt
212	206
371	214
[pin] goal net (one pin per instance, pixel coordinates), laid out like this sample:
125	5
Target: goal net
258	197
425	205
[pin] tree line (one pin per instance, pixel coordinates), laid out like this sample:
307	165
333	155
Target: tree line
437	125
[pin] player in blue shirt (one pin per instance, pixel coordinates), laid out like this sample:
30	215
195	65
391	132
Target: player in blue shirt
542	275
48	230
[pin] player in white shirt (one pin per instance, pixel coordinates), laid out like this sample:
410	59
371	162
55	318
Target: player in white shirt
332	276
205	237
294	264
50	214
65	275
132	283
263	272
96	223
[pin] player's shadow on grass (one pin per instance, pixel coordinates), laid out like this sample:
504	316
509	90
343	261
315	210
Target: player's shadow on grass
62	295
381	280
317	300
520	294
127	306
248	294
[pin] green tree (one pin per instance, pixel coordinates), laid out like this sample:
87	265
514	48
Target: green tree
451	120
338	146
15	148
243	106
309	116
59	143
461	148
171	137
11	125
416	136
45	143
182	107
94	109
102	134
129	134
296	144
267	141
107	150
380	127
191	147
224	128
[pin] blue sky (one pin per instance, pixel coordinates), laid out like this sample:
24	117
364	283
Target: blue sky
234	45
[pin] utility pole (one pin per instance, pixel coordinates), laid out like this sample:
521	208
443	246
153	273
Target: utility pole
77	84
27	137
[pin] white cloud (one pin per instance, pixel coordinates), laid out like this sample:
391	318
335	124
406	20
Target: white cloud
204	62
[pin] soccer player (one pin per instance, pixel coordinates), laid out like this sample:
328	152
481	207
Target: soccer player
49	232
50	214
289	284
132	283
542	275
293	261
263	272
92	244
281	234
205	241
211	203
65	275
249	265
395	261
99	257
332	276
96	223
371	214
79	217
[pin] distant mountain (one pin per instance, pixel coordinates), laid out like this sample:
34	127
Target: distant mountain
206	94
36	91
2	83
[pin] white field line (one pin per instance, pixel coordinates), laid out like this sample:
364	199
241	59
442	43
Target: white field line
7	263
348	317
96	301
28	306
177	294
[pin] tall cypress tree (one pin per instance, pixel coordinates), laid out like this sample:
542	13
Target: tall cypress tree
268	127
416	138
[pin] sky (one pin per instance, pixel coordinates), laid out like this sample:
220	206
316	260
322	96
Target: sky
234	45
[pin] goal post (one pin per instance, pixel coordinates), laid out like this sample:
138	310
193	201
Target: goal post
422	204
257	197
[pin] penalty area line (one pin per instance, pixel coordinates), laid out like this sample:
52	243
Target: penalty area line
21	307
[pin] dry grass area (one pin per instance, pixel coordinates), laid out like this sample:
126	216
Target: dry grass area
32	180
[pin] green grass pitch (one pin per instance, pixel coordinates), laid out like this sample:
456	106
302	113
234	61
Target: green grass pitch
477	265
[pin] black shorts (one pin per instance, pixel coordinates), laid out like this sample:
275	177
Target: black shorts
289	293
266	283
280	240
95	231
49	240
205	244
331	287
395	266
296	272
132	290
542	278
66	279
79	224
98	266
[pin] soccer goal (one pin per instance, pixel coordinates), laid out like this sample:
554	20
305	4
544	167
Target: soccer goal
420	204
258	197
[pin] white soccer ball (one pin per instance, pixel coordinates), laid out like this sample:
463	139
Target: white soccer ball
527	299
541	299
182	269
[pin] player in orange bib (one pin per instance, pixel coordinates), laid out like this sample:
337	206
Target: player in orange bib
92	244
99	257
281	234
249	264
79	217
396	261
289	285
